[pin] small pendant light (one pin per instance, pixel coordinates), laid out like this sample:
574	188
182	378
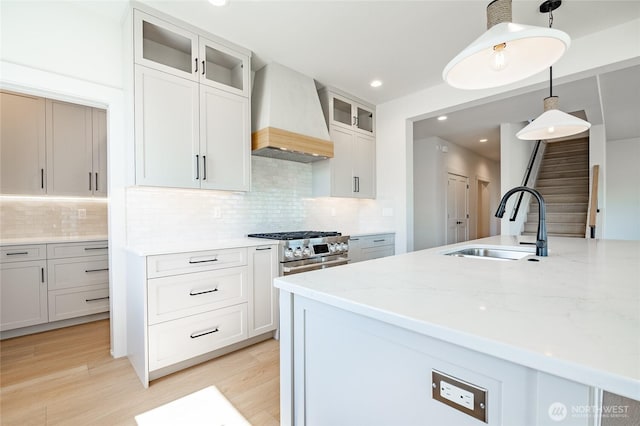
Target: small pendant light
506	52
552	123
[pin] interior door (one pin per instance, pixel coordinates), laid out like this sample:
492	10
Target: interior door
457	208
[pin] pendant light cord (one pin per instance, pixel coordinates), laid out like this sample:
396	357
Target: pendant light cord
550	68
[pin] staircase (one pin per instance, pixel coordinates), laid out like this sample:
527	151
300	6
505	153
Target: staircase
563	181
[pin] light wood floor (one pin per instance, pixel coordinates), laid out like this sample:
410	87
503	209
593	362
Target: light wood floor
68	377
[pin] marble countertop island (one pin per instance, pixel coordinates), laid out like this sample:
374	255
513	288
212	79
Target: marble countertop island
574	314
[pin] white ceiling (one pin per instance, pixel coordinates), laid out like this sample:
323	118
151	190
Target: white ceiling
406	44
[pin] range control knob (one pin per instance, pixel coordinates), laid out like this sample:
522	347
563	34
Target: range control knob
333	248
297	252
288	253
306	251
344	246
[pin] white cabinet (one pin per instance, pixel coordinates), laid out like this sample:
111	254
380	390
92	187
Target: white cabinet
351	172
22	144
172	49
186	307
371	246
23	287
78	279
263	313
192	116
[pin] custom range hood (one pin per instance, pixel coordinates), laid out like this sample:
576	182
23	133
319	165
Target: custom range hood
287	120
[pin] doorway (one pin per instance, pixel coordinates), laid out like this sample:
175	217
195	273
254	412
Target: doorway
484	210
457	208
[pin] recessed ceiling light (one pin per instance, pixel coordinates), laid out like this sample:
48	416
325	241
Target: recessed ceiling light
483	140
219	2
376	83
442	118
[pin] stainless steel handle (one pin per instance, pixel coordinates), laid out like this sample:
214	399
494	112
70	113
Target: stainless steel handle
96	181
353	123
198	293
95	248
96	270
15	253
197	167
262	248
203	72
378	241
341	261
354	239
202	261
41	274
355	185
90	177
196	59
196	335
96	299
42	178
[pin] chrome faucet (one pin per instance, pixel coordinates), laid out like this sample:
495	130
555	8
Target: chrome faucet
541	237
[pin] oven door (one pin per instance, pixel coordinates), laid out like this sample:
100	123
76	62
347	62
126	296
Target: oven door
305	265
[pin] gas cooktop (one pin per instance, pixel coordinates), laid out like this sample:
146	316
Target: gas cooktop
295	235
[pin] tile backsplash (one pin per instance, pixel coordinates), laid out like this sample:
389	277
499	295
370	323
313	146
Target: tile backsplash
27	217
280	200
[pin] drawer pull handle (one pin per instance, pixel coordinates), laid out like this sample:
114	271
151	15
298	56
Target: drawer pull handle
96	270
202	261
263	248
96	299
378	241
196	335
16	253
198	293
95	248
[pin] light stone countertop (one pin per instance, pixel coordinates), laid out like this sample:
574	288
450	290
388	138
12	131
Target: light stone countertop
191	246
574	314
367	234
52	240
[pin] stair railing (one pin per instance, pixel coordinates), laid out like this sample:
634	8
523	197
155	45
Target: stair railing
525	180
593	200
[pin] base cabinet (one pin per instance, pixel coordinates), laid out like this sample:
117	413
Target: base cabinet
185	308
23	291
46	283
367	247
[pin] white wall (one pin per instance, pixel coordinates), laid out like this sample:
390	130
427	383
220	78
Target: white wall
430	168
394	135
623	190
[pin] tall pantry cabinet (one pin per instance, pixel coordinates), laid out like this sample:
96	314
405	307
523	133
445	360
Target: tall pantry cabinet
192	111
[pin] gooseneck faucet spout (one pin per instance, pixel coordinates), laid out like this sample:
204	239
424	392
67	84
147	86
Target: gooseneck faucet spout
541	237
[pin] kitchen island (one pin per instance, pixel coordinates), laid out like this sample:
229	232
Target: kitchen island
541	339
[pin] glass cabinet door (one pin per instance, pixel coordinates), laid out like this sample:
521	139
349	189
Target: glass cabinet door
165	47
364	119
223	68
342	112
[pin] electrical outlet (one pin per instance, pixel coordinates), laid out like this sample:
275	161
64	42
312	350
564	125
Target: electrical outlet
82	213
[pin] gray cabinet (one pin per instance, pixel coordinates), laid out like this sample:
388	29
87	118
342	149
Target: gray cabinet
22	144
23	286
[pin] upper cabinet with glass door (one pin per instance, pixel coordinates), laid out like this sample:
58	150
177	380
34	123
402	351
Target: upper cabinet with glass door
166	47
349	114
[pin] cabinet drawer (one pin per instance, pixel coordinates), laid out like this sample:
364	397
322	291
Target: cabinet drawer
74	302
78	272
19	253
181	295
181	263
62	250
377	252
174	341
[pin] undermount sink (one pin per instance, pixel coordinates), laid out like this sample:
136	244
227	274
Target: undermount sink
491	253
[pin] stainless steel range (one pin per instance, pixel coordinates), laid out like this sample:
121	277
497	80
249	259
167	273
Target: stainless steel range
304	251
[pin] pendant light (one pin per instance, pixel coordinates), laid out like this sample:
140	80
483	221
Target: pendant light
506	52
552	123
